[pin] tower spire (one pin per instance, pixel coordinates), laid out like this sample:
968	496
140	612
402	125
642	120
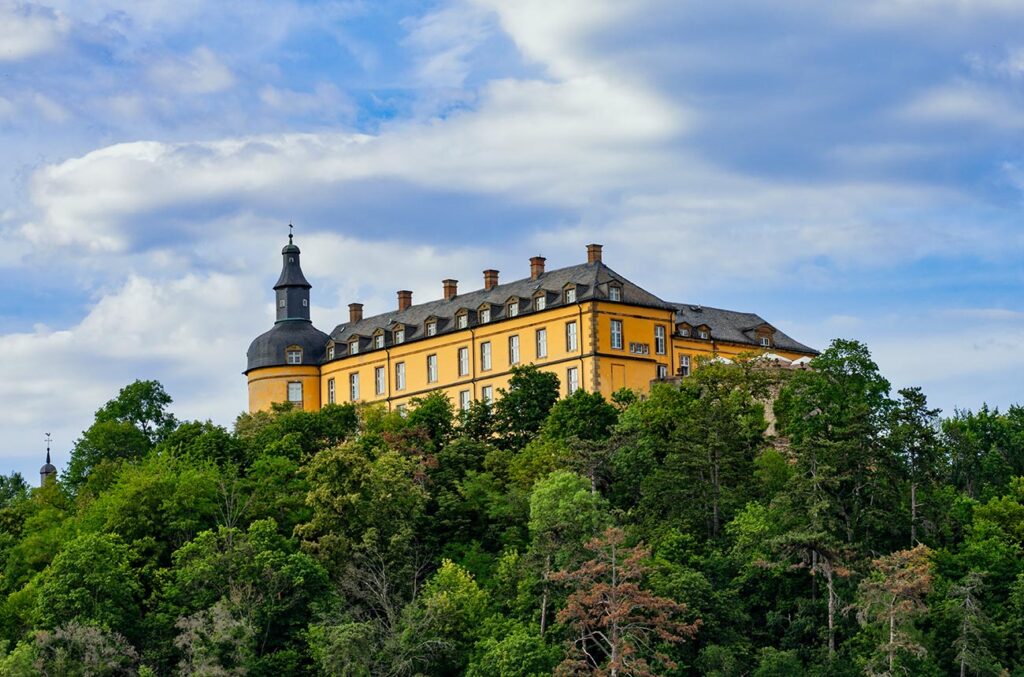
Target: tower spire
48	473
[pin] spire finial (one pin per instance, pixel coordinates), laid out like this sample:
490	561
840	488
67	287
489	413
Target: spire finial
48	438
290	233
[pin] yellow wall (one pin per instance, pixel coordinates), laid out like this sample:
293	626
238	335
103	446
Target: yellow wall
270	385
601	367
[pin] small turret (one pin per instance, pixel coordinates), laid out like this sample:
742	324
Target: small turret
48	473
292	289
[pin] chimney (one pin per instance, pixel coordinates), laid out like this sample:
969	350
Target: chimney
451	288
404	299
355	312
594	253
536	267
490	279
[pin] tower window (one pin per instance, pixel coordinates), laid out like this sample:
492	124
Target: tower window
295	391
294	356
330	391
281	303
305	303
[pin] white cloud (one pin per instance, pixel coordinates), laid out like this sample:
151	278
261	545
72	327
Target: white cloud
966	102
445	40
28	30
200	72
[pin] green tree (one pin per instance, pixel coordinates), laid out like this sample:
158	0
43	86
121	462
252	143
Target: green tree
434	414
914	432
521	410
77	650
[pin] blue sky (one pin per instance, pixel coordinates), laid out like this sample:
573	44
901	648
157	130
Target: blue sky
848	169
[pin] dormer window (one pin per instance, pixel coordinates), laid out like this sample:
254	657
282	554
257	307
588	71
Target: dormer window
704	334
293	356
569	295
400	335
540	302
513	308
485	315
431	328
378	341
353	347
766	341
614	293
461	321
684	331
330	352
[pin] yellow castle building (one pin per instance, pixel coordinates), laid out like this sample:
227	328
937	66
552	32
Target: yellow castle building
586	323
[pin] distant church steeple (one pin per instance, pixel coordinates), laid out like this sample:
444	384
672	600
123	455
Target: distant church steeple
292	289
48	473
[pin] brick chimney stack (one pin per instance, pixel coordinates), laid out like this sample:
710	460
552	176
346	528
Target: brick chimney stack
594	253
451	289
355	312
404	299
536	267
490	279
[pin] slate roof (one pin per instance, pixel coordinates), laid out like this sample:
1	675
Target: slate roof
267	349
592	280
733	326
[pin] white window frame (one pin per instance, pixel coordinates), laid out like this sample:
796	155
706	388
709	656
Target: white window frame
704	334
684	365
485	315
353	386
571	336
684	332
353	347
330	352
293	388
766	341
399	375
432	368
541	341
512	309
378	341
281	303
293	356
485	356
570	295
463	361
572	379
662	372
659	339
462	321
614	293
378	380
540	302
464	400
487	394
330	391
617	335
513	349
400	335
431	328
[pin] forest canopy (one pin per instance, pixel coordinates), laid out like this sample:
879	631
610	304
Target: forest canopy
745	520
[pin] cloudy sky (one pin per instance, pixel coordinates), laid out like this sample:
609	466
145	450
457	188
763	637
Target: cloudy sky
848	169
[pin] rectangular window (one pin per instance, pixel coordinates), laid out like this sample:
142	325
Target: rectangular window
294	357
662	372
614	293
542	343
330	352
659	339
488	394
617	334
280	304
462	321
704	334
765	341
683	331
295	391
353	387
378	341
399	336
464	400
400	376
485	315
572	379
513	309
540	303
571	342
513	349
684	365
485	356
431	368
330	391
403	410
431	328
353	347
378	380
570	295
463	361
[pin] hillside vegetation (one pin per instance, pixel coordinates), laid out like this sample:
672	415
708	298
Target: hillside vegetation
673	534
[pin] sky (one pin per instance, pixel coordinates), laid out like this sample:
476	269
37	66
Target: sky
844	169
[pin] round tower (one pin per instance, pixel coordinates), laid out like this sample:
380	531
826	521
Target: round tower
284	363
48	473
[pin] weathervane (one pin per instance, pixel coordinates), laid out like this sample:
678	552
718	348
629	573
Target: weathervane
48	439
290	233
